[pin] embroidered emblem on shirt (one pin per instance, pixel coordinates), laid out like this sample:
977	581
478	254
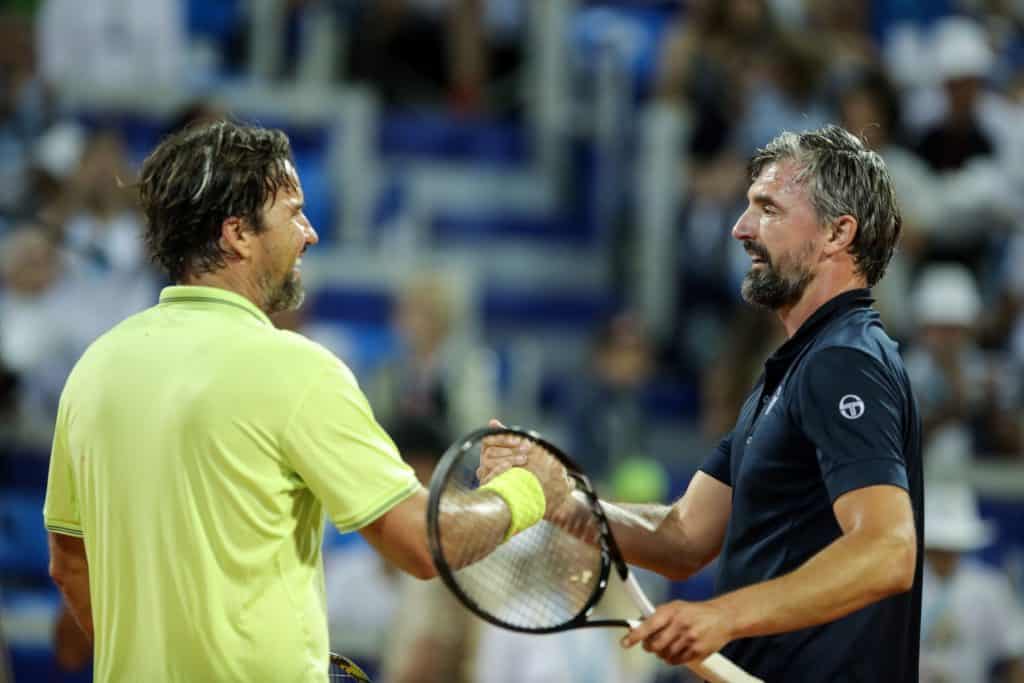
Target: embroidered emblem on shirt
851	406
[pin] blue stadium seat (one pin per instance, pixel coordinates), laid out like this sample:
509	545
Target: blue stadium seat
23	546
217	19
435	136
352	305
553	309
636	31
483	227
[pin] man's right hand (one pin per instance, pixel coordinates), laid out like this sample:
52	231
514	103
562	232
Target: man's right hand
501	452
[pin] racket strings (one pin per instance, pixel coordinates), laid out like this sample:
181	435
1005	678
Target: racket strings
541	578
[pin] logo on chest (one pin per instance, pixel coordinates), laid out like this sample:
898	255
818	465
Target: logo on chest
851	406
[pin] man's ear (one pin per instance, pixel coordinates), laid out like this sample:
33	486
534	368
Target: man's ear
236	238
842	232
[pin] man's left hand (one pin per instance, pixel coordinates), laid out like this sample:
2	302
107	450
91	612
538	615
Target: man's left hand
681	632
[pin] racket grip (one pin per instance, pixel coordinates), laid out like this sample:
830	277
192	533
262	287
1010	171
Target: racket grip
719	669
639	598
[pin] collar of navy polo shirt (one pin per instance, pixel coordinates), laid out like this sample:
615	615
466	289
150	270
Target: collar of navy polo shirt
778	363
213	296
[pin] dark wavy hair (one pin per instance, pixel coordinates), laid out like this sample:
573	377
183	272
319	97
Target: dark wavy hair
200	176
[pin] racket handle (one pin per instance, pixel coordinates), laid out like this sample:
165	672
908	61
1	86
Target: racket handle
719	669
639	598
714	669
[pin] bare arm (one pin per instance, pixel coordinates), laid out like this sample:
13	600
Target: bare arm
471	528
69	568
874	558
472	523
675	541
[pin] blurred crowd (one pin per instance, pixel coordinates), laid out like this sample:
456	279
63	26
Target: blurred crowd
937	88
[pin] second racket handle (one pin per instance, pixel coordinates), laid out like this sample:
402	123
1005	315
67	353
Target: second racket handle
637	594
719	669
714	669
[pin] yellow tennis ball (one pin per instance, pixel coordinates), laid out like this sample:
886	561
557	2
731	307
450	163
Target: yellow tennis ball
639	479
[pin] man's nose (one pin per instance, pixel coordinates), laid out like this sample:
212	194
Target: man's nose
745	226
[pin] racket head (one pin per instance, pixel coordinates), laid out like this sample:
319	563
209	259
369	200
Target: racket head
543	579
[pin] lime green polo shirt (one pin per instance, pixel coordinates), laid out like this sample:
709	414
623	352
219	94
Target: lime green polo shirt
196	451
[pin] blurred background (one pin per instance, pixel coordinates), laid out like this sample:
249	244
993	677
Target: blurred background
524	211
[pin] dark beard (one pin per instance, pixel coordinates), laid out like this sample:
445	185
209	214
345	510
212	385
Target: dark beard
768	288
287	296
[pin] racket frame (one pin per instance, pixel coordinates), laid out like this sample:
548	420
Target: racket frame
609	551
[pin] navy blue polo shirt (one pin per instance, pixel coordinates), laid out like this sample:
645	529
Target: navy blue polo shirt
833	412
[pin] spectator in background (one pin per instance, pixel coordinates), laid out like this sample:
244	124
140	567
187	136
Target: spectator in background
751	338
967	131
710	263
56	156
788	96
113	45
965	146
842	25
712	57
440	374
969	398
43	325
429	51
964	61
608	421
970	620
869	107
103	226
51	308
24	113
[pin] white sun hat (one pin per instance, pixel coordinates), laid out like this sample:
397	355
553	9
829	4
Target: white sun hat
951	519
960	49
946	294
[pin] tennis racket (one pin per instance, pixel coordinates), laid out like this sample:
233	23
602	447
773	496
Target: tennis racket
544	579
341	668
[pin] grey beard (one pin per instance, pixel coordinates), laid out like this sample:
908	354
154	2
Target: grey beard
287	296
767	288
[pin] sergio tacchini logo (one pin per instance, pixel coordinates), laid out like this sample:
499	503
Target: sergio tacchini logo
851	406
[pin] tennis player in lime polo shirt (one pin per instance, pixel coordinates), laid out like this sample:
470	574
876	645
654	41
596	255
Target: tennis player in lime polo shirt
197	447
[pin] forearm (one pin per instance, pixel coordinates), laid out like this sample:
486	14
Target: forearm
69	568
472	526
852	572
75	589
649	535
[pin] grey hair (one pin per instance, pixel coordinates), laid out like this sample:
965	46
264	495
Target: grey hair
843	178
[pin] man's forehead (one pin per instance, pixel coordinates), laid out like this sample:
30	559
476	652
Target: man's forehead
777	177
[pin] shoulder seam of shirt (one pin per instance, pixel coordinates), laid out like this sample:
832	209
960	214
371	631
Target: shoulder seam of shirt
836	346
211	300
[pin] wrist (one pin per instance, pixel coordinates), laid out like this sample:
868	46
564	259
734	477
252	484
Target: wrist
735	615
523	495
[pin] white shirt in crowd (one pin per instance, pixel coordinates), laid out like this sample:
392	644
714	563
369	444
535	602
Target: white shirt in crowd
968	624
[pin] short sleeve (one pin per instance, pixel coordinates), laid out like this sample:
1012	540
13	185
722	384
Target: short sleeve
342	454
853	411
719	463
60	509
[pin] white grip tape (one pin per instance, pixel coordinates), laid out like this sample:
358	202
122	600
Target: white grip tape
715	668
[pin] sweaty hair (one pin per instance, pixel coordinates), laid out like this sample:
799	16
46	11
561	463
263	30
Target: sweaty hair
843	177
200	176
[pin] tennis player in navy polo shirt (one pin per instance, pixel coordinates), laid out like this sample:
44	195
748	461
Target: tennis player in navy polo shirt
813	503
